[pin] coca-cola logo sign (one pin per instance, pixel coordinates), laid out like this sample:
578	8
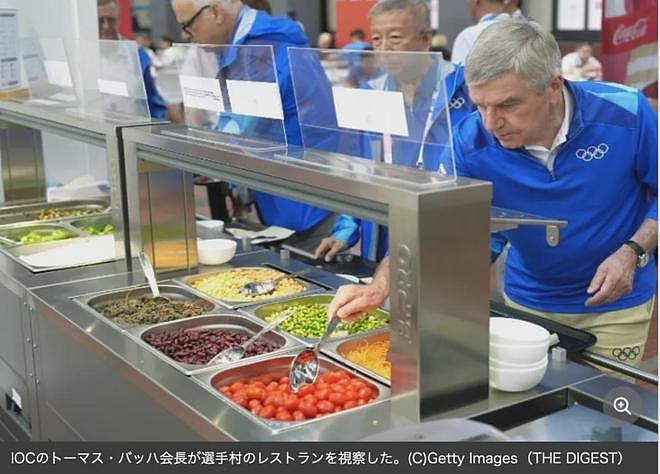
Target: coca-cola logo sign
627	34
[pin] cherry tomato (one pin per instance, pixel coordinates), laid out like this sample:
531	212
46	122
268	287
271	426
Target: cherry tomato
365	394
284	380
361	402
272	386
237	386
264	379
310	399
308	409
284	387
350	404
331	377
254	403
242	401
255	393
306	390
291	403
299	415
322	394
338	398
357	384
283	416
338	388
342	375
324	406
225	389
352	394
267	412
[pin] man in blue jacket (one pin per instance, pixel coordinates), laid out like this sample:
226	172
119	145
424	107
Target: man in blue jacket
223	22
583	152
396	26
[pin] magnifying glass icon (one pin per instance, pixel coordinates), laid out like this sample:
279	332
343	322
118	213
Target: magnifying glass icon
622	405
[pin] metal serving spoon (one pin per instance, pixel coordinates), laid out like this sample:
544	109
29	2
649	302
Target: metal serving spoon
305	367
148	270
237	352
259	288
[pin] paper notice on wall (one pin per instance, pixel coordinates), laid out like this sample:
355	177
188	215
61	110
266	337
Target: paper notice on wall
571	15
10	75
595	17
255	99
371	110
107	86
58	73
33	61
201	93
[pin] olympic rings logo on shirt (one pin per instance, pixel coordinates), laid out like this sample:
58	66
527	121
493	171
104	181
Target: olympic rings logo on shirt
626	353
593	152
456	103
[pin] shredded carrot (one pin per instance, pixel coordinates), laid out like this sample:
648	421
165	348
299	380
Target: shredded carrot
373	357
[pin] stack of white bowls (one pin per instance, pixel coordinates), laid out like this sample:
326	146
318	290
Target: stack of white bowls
518	354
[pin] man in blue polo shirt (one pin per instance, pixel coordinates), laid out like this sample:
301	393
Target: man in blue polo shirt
222	22
404	26
583	152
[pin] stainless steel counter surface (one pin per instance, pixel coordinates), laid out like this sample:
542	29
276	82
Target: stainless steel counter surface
199	407
194	403
580	423
13	271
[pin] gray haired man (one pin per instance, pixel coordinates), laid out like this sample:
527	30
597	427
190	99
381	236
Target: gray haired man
583	152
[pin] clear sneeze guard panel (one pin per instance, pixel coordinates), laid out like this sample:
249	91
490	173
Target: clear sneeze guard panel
48	72
231	97
112	82
388	107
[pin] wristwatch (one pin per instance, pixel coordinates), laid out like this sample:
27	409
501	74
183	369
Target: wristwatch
642	255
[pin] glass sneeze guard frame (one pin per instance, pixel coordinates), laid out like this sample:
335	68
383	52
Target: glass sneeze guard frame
389	107
439	246
231	96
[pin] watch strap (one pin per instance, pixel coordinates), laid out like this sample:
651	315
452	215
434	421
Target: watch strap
638	249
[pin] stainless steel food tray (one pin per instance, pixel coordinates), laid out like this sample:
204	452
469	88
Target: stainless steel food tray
92	221
30	212
91	302
338	349
262	311
186	281
12	234
279	364
16	252
234	322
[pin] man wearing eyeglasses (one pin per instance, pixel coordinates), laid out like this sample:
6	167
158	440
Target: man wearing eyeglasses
224	22
108	15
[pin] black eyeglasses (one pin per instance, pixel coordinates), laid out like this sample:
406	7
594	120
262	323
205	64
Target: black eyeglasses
188	24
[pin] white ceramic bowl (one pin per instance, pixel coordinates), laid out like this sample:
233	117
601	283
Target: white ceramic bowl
502	364
519	353
516	380
215	251
516	332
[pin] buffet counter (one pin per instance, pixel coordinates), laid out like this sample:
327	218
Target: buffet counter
99	381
